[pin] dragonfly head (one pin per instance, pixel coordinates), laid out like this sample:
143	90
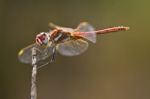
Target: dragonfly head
42	38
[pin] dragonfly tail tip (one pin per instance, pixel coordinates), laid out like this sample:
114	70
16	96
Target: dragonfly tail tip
127	28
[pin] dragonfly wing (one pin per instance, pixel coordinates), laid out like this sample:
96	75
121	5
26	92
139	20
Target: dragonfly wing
72	47
64	29
86	27
43	54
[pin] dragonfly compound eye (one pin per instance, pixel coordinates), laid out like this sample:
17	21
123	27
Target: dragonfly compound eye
42	38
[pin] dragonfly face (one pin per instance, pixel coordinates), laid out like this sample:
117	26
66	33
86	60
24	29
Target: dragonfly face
42	38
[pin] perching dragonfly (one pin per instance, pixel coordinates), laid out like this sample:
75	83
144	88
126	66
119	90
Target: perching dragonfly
66	41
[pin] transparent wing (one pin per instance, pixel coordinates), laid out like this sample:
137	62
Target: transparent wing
72	47
64	29
43	54
86	27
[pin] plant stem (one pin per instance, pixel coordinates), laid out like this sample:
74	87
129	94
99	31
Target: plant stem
34	74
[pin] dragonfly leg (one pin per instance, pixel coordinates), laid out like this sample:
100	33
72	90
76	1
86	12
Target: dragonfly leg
53	55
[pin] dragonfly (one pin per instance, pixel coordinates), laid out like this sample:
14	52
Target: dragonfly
64	40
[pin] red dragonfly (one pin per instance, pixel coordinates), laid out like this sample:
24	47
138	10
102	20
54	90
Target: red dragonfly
66	41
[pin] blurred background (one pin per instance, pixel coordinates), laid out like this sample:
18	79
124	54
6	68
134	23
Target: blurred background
116	67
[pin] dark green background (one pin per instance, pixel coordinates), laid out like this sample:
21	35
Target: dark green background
116	67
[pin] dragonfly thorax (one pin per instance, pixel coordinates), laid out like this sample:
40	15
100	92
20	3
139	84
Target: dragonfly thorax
59	37
42	38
